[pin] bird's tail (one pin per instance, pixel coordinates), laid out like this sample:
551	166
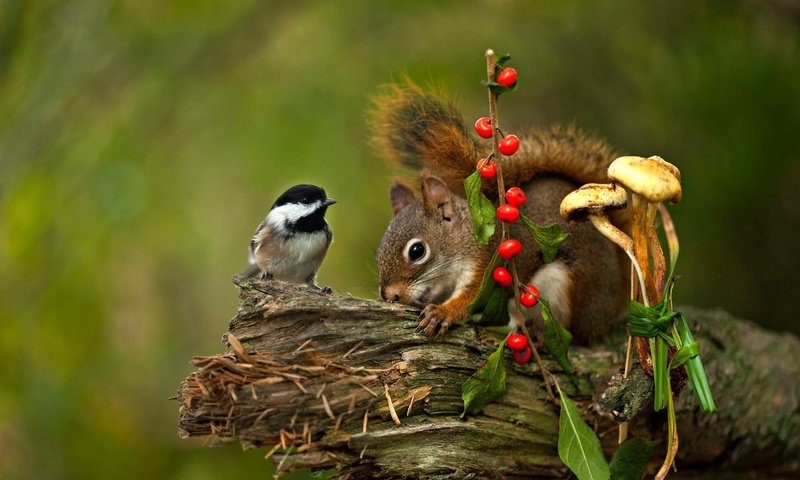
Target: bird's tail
251	270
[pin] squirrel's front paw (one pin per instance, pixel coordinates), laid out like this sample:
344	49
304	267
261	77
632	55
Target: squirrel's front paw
437	319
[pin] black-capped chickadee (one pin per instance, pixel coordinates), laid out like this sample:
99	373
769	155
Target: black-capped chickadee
292	241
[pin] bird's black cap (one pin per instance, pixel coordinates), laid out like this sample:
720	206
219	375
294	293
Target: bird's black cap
301	194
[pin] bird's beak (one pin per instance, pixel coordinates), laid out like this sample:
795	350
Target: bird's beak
328	201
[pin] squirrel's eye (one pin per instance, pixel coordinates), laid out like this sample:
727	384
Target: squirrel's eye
416	251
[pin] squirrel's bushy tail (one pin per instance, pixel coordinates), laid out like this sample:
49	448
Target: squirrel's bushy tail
422	130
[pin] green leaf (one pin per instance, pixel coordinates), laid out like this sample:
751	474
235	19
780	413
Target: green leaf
696	371
630	460
482	210
488	383
498	89
488	286
492	299
578	446
658	354
548	238
683	354
501	61
500	330
556	337
496	310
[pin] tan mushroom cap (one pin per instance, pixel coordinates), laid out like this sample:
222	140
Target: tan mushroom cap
593	198
653	178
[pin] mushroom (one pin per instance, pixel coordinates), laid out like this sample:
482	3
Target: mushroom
653	178
651	181
592	200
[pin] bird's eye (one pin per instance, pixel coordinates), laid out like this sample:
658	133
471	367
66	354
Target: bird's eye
305	200
416	251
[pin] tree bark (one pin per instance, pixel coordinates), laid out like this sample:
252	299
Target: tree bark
329	381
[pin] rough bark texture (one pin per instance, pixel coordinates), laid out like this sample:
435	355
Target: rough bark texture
309	377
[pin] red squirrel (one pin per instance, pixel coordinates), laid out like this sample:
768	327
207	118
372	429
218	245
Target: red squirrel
428	257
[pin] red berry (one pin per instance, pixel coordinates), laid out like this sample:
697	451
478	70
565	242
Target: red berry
529	297
507	213
523	356
515	196
508	145
484	127
509	249
517	342
507	77
488	168
502	276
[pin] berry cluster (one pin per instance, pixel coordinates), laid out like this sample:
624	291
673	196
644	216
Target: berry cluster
508	212
519	345
508	144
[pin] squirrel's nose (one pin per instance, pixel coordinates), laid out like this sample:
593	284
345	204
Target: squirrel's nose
391	293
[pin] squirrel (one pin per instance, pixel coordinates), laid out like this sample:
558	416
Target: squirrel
428	257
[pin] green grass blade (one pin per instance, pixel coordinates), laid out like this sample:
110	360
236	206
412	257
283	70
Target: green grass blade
696	371
683	354
659	350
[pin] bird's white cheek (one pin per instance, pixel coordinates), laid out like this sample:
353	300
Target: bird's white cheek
291	212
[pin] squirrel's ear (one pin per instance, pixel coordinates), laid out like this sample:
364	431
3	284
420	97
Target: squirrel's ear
401	195
437	198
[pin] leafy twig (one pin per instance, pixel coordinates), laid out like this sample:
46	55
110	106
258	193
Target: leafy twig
491	68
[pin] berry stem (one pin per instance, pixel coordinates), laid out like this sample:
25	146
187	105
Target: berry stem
546	376
501	189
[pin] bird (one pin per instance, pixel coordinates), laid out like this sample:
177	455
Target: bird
293	239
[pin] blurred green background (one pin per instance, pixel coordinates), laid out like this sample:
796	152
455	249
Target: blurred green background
141	141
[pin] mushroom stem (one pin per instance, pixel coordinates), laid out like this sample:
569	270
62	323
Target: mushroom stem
623	427
604	226
640	242
659	262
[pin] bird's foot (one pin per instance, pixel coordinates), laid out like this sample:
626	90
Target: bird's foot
326	289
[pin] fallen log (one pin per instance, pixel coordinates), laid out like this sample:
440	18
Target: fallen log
329	381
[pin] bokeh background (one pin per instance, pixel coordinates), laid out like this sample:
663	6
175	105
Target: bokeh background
141	141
